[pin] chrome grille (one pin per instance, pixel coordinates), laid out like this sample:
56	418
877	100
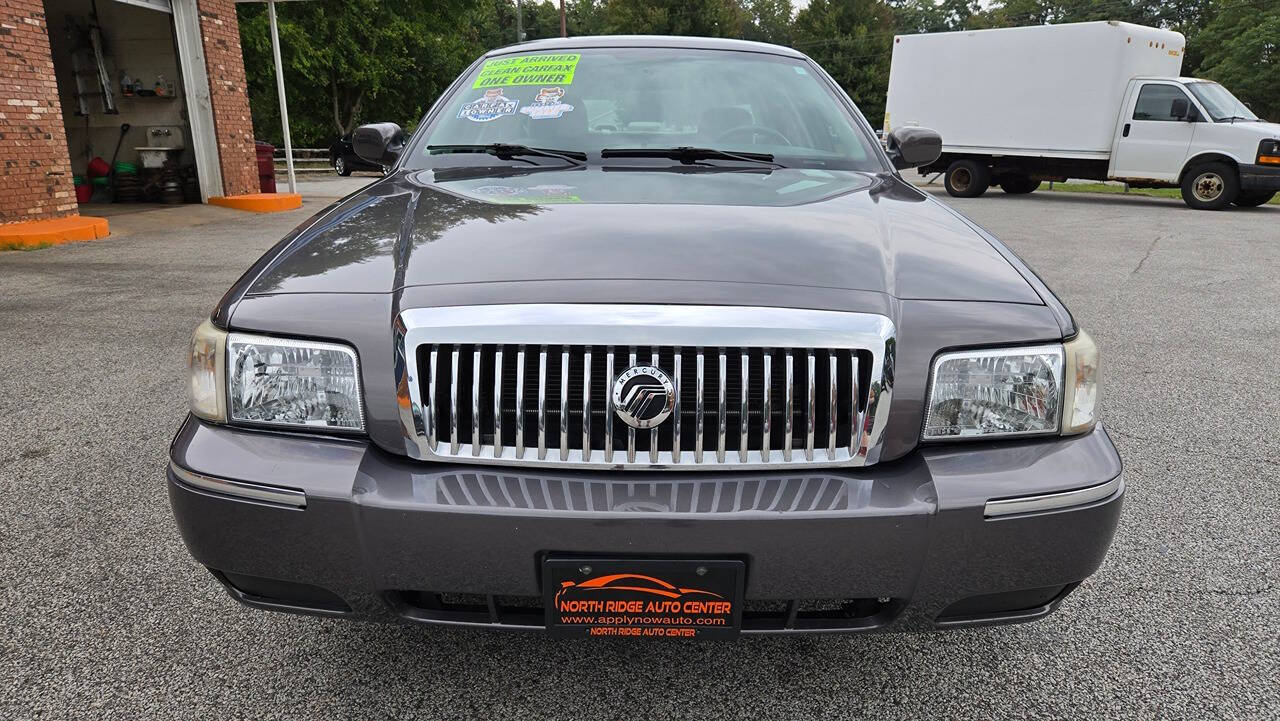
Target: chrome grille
472	397
482	397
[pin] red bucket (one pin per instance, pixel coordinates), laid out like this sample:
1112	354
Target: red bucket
98	168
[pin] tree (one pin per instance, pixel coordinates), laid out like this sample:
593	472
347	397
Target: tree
709	18
348	61
1240	48
768	21
928	16
853	40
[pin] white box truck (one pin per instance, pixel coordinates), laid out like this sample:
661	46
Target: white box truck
1098	101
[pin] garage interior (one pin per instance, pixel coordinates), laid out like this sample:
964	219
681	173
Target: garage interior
124	104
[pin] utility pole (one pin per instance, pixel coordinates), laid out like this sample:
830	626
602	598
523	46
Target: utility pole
519	22
563	32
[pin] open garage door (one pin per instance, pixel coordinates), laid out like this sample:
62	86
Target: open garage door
135	102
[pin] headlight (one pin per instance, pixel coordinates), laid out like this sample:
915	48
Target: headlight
1014	391
998	392
206	371
273	381
1269	152
282	382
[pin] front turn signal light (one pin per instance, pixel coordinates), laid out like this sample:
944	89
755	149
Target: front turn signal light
207	370
1081	396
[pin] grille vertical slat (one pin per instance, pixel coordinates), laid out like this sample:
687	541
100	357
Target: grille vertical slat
722	410
809	406
520	365
676	445
453	404
497	401
475	401
699	405
608	405
855	432
475	390
653	432
431	398
766	419
631	432
789	420
745	410
586	403
833	391
564	406
542	402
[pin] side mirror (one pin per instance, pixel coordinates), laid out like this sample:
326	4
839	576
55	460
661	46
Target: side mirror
379	143
1181	109
912	147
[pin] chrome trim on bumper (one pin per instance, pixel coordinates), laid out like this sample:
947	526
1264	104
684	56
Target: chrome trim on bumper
240	489
628	326
1052	501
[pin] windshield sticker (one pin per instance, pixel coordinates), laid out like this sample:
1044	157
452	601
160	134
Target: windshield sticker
493	104
528	70
546	104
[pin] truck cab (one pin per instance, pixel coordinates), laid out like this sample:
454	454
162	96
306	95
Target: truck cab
1195	134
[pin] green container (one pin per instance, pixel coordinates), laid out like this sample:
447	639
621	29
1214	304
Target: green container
77	180
102	182
126	168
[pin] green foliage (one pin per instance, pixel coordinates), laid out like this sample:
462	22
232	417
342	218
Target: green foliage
852	40
1241	49
353	61
348	61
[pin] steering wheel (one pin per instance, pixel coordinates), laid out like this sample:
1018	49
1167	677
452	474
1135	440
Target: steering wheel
753	131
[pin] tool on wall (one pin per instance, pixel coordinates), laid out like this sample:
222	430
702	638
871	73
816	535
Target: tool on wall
124	128
89	62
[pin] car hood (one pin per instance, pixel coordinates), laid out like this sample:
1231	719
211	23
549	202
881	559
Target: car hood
1261	130
839	230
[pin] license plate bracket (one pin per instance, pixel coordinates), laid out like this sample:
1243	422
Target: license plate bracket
637	598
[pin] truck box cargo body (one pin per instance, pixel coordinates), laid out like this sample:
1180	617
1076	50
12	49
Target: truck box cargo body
1043	91
1097	101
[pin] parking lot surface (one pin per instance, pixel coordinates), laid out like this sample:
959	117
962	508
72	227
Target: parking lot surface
107	617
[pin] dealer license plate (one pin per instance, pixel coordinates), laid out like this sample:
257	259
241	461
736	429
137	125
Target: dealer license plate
602	597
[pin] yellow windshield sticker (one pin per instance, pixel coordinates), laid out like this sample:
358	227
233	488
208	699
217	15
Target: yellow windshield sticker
528	70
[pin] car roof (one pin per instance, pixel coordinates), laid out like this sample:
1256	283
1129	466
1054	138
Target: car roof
644	41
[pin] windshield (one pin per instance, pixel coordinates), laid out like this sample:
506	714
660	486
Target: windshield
1219	101
590	100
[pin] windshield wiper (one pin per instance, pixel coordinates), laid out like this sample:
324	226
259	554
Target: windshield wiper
689	155
1234	118
506	151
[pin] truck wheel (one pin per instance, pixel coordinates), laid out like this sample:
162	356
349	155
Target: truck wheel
1254	199
1212	186
1018	184
967	179
340	166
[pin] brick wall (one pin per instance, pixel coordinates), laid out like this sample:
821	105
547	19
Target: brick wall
35	182
228	95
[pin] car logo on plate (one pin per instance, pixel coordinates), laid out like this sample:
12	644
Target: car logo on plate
643	396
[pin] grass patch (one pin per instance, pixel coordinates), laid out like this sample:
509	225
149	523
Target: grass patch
15	245
1119	189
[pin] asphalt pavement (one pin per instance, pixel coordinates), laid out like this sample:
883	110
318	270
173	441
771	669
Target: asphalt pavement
107	617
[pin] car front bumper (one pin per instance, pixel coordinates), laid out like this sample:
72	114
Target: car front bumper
948	536
1260	177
